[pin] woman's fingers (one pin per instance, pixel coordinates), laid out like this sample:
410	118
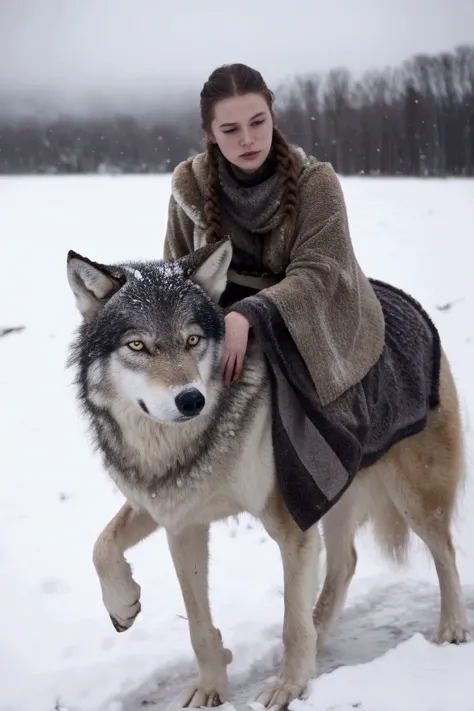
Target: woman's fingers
239	362
229	368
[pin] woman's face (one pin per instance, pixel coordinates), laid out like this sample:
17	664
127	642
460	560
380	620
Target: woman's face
243	129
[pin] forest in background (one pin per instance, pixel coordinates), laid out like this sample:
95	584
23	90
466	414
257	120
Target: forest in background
413	120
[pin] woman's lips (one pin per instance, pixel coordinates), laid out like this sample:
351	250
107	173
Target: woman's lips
250	155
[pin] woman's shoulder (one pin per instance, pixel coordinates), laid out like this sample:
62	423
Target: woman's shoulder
312	168
317	178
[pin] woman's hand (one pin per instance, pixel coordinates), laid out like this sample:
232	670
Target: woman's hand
236	338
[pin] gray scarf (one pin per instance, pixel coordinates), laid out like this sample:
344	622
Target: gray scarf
252	201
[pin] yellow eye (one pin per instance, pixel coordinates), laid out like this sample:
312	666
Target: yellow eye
193	341
136	345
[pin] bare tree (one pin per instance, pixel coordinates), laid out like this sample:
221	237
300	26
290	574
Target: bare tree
416	119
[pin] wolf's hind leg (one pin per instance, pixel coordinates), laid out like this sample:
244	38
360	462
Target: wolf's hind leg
428	479
339	526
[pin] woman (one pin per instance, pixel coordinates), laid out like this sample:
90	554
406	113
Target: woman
286	217
295	279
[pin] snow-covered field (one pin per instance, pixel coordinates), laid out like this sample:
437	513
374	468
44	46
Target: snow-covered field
58	649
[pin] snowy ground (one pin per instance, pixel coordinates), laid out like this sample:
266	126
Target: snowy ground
58	649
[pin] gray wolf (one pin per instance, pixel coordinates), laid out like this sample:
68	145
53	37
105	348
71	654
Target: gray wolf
187	451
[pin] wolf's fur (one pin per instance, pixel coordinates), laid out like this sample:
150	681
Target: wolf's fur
184	475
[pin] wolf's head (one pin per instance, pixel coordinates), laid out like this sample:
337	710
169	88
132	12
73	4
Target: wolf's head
152	333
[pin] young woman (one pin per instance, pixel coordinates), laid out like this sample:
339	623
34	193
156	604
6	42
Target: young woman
355	363
286	217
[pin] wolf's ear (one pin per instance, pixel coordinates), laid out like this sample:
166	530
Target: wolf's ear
211	271
92	284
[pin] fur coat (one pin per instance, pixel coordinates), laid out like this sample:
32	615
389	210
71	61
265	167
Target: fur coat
309	271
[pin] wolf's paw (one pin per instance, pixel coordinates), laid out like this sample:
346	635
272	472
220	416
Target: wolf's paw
454	632
123	604
211	688
197	695
278	693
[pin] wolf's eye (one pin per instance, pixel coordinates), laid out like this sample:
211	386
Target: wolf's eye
193	341
136	345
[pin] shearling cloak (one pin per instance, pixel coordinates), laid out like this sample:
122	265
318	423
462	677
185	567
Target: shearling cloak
354	363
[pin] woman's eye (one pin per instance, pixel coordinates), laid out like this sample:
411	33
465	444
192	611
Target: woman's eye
136	345
193	341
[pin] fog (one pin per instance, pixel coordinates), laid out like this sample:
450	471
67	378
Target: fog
80	55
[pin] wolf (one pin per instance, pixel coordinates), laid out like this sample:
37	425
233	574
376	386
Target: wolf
185	451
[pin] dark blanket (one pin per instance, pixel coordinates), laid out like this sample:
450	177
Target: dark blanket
319	450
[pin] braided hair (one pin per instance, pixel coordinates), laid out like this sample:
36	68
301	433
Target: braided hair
236	80
211	206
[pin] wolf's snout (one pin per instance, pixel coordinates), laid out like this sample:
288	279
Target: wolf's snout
190	402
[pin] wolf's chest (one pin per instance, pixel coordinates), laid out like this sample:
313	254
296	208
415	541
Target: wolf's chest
238	482
195	498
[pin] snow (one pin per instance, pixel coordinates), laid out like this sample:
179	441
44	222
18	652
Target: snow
58	648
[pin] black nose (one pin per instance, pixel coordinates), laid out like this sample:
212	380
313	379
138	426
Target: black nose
190	402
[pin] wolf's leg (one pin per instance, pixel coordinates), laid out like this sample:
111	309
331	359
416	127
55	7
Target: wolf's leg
190	552
428	477
339	526
453	624
300	558
120	593
432	525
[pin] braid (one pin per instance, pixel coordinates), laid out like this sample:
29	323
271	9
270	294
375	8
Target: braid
211	206
286	167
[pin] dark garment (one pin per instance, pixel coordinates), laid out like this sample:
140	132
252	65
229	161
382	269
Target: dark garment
319	450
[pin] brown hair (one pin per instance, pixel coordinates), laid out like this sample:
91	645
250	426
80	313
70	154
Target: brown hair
236	80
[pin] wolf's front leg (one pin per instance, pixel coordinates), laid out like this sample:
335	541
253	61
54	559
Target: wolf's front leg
120	593
300	557
190	553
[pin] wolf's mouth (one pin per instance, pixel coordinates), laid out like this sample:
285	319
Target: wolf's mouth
178	420
144	407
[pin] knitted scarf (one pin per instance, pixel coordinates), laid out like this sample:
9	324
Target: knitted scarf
252	200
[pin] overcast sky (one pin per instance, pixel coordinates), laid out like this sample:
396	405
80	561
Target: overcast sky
123	48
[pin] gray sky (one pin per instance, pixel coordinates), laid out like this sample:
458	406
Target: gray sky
124	49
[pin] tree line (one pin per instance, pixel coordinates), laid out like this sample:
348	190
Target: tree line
416	119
